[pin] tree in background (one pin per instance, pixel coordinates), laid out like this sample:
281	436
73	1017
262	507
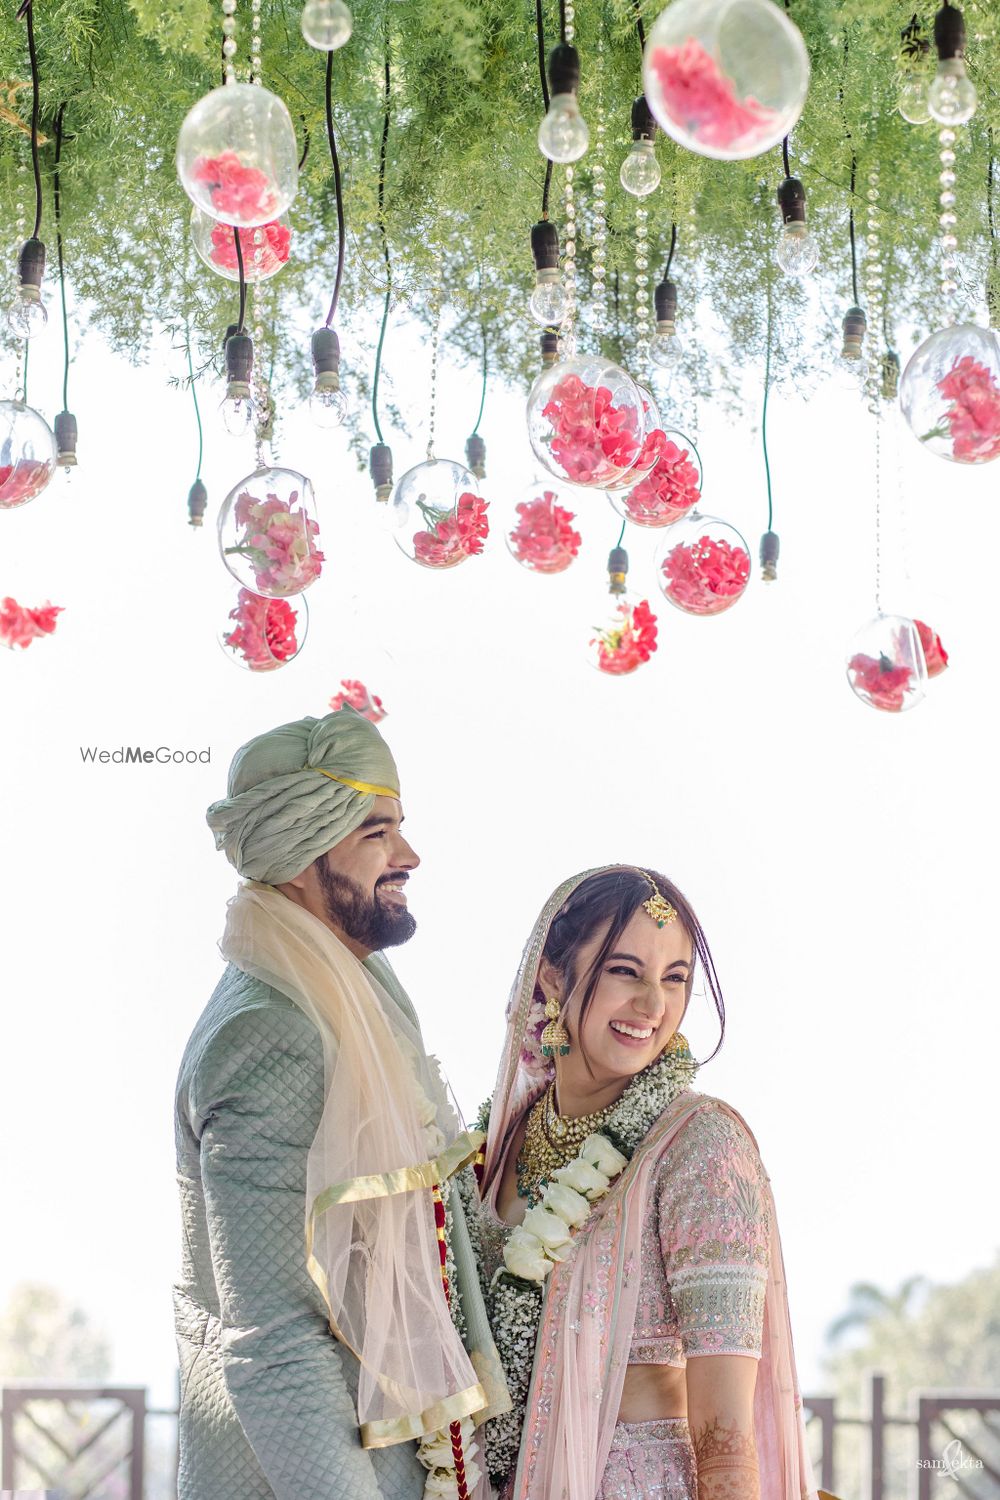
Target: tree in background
921	1338
43	1336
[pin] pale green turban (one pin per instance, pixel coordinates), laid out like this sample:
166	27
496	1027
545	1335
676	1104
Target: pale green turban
297	790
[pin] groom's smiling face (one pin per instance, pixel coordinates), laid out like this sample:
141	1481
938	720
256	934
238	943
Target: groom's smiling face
359	887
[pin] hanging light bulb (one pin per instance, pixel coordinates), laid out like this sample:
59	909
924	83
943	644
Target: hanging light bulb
65	429
326	24
627	638
475	455
796	252
664	348
640	171
380	469
563	135
951	97
855	326
237	404
27	315
328	405
547	304
912	102
197	503
770	546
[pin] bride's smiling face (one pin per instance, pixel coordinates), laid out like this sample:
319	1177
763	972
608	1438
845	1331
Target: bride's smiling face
641	995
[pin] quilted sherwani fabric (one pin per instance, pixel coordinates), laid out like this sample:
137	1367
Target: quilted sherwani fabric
267	1392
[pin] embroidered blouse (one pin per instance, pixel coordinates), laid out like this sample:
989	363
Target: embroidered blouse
705	1245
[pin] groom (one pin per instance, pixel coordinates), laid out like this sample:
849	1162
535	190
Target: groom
268	1395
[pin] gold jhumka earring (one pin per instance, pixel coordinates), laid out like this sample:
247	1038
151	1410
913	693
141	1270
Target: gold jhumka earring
555	1037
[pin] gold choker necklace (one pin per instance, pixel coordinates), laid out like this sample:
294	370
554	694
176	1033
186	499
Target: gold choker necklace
550	1141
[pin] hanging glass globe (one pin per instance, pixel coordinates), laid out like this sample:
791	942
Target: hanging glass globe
265	248
237	157
703	566
438	514
268	533
670	491
912	101
263	634
541	532
623	637
653	442
950	394
585	421
725	78
886	667
326	24
27	454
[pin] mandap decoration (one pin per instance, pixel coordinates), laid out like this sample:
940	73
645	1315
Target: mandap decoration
950	394
263	634
625	637
19	626
669	491
268	534
354	694
541	535
725	78
237	157
27	454
703	566
586	421
886	667
439	515
265	249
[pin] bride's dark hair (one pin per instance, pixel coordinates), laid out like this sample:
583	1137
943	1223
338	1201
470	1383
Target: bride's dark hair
614	896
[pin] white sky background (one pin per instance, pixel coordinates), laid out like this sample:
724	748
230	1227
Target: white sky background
841	860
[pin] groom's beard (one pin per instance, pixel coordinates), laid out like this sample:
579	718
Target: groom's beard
373	923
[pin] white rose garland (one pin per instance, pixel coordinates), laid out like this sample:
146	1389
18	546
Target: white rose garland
545	1237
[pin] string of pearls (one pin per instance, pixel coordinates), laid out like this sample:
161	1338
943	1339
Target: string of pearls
567	342
229	38
947	220
20	227
599	260
262	408
874	287
643	322
255	42
435	308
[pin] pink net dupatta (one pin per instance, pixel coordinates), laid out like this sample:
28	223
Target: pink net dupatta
371	1239
589	1312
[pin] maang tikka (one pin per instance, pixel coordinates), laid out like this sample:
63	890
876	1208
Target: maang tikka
555	1037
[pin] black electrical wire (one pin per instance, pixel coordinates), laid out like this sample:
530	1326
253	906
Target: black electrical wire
763	419
338	189
26	13
989	199
562	20
382	156
59	250
784	157
540	38
670	254
243	280
854	247
482	399
307	142
639	26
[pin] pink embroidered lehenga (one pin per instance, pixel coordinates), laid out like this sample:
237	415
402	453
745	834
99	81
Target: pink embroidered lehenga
682	1257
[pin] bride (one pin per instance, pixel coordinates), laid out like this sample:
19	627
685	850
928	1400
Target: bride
627	1228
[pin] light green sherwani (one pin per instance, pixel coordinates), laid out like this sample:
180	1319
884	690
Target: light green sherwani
267	1392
